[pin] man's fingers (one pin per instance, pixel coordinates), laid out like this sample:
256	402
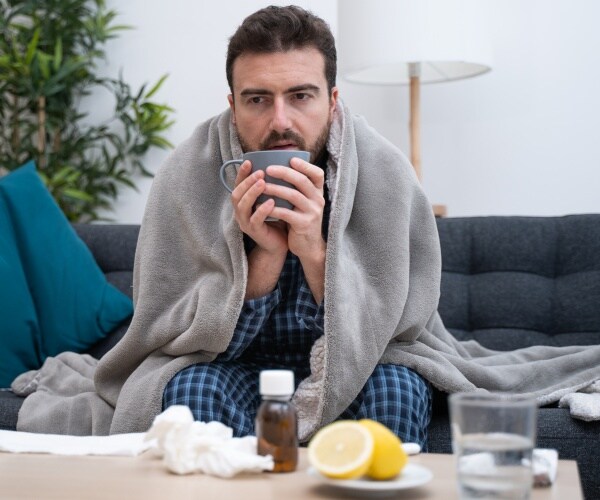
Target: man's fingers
245	200
243	173
314	173
244	182
305	179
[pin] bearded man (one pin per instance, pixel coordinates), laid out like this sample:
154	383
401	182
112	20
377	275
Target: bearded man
281	69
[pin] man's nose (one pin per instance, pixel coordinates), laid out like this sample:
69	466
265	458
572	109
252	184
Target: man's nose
281	116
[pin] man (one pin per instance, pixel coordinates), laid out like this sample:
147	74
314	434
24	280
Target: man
343	289
281	68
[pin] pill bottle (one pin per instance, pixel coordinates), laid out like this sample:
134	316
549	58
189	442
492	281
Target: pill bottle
276	420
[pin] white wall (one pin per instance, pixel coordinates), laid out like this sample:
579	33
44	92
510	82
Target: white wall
522	139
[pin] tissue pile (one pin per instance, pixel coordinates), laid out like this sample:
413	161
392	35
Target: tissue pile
188	446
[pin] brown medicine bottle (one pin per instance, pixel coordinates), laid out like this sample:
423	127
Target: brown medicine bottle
276	421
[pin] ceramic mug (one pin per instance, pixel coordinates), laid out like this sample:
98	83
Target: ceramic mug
260	160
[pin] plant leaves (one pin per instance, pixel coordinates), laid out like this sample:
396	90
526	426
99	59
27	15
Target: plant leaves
54	50
31	48
58	54
156	86
77	194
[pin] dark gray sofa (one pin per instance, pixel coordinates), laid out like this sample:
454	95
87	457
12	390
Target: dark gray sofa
507	282
511	282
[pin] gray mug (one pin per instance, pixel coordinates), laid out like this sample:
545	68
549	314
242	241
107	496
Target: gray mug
260	161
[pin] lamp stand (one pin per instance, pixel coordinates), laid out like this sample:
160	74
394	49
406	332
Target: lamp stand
415	128
415	118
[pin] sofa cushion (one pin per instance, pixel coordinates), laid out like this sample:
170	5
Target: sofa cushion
75	305
10	404
511	282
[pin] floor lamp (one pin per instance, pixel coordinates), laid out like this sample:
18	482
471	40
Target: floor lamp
412	42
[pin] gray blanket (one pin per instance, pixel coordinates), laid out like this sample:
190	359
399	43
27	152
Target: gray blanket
382	286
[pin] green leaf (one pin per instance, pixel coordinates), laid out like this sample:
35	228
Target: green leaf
58	54
156	86
61	175
44	64
161	142
78	194
32	46
120	27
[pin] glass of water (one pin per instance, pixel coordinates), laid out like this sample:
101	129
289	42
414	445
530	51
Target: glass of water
493	436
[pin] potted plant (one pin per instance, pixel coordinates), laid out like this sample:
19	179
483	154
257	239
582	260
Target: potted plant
49	52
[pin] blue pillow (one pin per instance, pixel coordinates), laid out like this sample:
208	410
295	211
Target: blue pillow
19	331
74	305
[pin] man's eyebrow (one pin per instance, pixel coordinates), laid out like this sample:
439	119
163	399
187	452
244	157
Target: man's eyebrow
256	92
291	90
305	86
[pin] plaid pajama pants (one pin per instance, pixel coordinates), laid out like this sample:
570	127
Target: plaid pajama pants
277	331
228	392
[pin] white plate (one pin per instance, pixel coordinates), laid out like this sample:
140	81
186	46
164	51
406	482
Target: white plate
412	475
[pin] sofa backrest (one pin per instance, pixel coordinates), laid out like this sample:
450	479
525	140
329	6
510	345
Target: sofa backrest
510	282
507	282
113	247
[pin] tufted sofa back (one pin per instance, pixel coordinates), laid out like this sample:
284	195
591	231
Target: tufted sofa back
510	282
113	247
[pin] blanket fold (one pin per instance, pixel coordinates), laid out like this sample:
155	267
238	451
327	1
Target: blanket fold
382	284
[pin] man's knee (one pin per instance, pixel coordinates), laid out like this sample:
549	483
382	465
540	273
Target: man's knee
400	399
196	383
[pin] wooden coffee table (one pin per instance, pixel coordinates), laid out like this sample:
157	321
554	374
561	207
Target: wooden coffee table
145	477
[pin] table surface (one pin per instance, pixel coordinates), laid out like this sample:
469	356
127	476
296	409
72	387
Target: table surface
145	477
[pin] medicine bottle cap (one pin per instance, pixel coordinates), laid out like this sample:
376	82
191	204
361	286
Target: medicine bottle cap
276	383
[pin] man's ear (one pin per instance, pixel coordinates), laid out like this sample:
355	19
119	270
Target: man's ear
333	101
232	106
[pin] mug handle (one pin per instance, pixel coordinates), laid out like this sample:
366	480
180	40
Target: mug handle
222	173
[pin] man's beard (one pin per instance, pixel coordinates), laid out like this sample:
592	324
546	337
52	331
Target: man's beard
316	152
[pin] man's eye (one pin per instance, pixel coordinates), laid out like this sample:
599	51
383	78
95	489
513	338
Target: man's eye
257	99
302	96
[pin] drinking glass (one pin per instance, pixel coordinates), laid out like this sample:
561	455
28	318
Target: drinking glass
493	437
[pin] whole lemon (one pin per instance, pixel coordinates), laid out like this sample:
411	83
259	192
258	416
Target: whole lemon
389	458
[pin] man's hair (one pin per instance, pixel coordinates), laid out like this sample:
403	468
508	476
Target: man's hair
279	29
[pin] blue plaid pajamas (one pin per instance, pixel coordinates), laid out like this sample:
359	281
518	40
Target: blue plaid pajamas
278	331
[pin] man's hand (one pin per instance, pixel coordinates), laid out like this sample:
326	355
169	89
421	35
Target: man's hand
305	219
266	260
298	230
248	187
304	238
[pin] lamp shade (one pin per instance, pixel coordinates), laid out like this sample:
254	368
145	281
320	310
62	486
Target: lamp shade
378	39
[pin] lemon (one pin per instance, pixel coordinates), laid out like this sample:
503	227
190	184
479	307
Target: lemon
389	458
342	450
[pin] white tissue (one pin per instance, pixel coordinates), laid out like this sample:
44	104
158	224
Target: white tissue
545	463
57	444
188	446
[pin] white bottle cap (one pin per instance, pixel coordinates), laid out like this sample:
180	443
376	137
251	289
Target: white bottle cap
276	383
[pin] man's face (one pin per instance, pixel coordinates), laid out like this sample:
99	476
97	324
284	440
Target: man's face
280	101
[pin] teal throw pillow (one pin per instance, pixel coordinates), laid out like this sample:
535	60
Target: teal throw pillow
74	304
19	331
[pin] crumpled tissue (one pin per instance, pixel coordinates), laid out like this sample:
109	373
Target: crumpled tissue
187	446
544	464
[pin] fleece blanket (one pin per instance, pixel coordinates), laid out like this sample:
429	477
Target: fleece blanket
382	284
